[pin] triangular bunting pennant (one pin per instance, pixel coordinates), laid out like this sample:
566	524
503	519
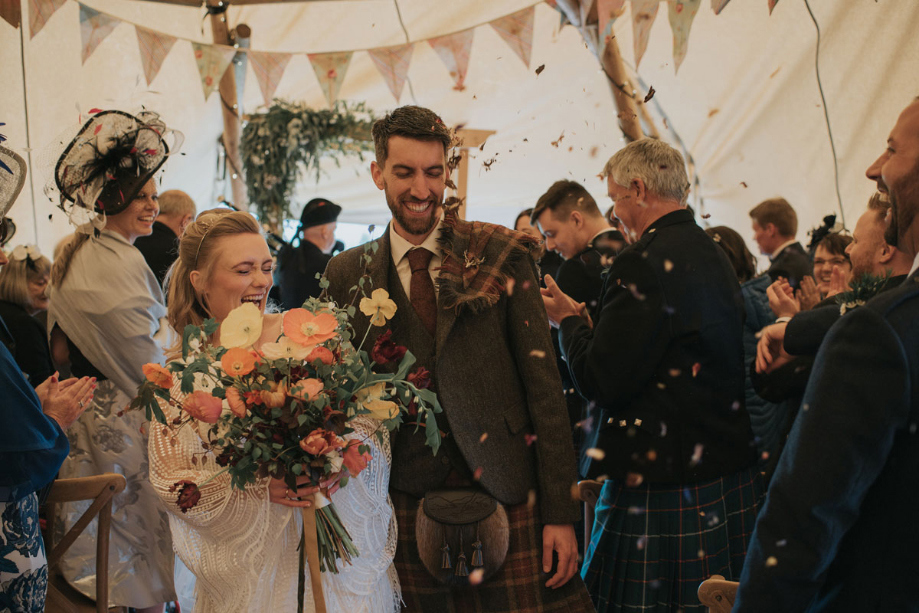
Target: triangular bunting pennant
213	61
11	11
392	63
643	14
94	27
607	11
772	4
454	51
718	5
517	31
330	69
154	47
681	14
40	12
268	68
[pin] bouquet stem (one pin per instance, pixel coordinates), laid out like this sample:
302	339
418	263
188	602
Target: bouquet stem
326	540
311	550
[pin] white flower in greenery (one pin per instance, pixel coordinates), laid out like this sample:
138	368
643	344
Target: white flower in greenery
285	349
336	461
242	327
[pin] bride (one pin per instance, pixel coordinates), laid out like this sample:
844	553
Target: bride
242	546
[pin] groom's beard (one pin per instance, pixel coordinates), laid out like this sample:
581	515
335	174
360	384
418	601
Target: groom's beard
416	226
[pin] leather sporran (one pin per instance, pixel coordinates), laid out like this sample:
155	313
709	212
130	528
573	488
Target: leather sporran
458	531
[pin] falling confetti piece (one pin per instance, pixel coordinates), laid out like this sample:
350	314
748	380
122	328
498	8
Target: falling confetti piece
538	353
776	72
661	386
713	112
743	184
674	372
478	473
540	69
668	265
531	498
696	454
695	369
705	215
595	454
650	95
771	561
529	438
510	286
634	479
735	406
781	543
484	437
652	455
701	553
560	137
634	289
525	285
487	163
642	541
476	577
594	151
765	455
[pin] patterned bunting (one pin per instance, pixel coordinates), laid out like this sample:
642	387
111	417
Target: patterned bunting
213	61
154	47
392	62
681	14
517	31
772	4
268	68
94	27
608	11
330	69
454	51
718	5
11	11
40	12
643	14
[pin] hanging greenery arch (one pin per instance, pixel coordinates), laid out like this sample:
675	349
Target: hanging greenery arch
288	140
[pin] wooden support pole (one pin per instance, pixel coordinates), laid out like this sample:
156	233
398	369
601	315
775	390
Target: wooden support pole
627	109
470	139
229	107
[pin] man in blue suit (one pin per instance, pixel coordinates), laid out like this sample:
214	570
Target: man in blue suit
838	531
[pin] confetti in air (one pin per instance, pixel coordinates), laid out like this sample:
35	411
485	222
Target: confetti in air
595	453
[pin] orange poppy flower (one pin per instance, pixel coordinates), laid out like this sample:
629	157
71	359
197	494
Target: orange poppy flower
237	362
236	401
203	407
306	389
158	375
308	329
323	354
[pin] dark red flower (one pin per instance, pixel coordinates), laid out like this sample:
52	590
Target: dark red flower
420	378
189	494
385	350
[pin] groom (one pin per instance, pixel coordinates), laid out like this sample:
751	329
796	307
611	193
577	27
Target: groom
469	309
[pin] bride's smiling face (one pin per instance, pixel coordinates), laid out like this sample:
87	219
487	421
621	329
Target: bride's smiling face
240	272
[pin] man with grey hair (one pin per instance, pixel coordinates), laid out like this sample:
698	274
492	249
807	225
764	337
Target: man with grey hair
663	362
160	248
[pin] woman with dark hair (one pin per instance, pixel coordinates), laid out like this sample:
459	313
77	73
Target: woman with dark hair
830	252
106	306
766	418
549	261
23	294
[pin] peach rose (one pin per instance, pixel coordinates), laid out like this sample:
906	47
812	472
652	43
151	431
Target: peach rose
321	442
203	406
275	397
305	389
323	354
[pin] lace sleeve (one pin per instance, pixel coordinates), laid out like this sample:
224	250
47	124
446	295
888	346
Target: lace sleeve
369	583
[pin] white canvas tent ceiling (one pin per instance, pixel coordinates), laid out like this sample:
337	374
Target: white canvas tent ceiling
745	102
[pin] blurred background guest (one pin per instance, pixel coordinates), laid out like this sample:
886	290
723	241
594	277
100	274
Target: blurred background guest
547	261
160	247
22	296
775	225
298	264
106	305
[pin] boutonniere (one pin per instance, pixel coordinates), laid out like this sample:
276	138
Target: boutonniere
472	261
860	291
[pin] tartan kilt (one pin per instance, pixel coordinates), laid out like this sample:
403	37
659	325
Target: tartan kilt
517	587
654	544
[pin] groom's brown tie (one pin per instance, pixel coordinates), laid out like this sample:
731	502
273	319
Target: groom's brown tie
421	292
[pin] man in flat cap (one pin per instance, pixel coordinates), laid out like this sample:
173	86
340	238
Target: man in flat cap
308	253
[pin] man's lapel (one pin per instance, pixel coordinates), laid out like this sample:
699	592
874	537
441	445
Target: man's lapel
445	320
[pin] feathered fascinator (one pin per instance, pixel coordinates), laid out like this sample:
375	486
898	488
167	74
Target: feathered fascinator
12	178
109	161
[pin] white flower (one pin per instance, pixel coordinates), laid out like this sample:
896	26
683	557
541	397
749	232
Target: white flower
285	349
336	461
242	327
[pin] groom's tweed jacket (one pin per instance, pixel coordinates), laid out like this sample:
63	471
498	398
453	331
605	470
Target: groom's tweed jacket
493	364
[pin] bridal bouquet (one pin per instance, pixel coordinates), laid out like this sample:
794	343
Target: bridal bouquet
282	409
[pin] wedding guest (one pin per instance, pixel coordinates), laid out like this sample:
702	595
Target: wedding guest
547	261
664	363
839	516
831	252
775	224
159	248
23	285
106	306
505	432
298	265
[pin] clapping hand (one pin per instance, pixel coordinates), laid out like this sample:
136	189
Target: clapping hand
808	294
782	299
838	281
64	401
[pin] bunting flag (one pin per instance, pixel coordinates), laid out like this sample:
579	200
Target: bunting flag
454	51
392	62
643	15
517	31
154	47
40	12
330	69
718	5
268	68
772	4
94	27
608	11
681	14
213	61
11	12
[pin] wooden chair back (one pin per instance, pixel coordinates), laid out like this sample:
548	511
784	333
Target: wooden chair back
101	489
718	594
589	492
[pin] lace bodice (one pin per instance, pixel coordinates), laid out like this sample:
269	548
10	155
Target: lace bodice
242	548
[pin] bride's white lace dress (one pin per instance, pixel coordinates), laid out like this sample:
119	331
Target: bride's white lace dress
243	548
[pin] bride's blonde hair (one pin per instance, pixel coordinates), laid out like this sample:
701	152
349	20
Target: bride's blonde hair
197	250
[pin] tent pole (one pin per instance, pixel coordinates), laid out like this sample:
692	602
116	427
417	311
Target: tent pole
229	105
627	109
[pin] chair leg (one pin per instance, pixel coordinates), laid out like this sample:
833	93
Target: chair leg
102	541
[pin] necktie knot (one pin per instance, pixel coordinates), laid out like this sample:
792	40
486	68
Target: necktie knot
419	259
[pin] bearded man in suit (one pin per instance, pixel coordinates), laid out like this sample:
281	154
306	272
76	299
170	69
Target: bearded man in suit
469	310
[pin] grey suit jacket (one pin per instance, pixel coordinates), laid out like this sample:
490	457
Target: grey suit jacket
496	376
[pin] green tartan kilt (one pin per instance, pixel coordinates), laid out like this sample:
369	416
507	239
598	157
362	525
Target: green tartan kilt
652	545
518	587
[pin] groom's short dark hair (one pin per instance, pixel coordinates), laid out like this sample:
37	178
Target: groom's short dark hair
415	122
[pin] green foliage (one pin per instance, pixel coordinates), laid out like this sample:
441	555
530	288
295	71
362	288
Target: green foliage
288	140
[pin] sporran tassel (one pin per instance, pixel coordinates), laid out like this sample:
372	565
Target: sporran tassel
461	570
445	564
478	559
